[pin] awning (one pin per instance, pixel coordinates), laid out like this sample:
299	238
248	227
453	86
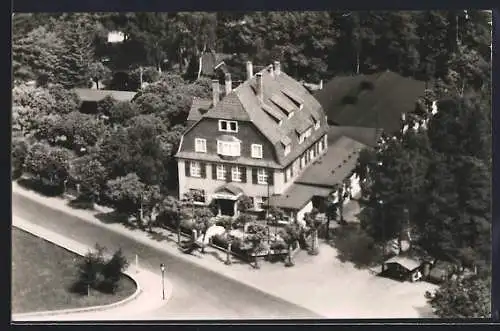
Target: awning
227	191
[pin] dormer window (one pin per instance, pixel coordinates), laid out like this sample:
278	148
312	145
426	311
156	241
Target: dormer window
228	126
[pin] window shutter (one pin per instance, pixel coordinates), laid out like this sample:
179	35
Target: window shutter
254	175
214	171
203	169
243	171
286	177
270	176
229	173
186	166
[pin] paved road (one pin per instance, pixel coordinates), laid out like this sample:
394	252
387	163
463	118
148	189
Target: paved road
198	292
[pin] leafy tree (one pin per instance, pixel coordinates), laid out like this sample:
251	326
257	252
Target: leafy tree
204	220
19	153
122	111
313	223
105	105
291	236
128	195
48	164
66	101
99	72
256	237
172	209
467	298
90	174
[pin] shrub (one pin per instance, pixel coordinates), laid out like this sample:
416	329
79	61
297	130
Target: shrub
112	271
19	152
97	273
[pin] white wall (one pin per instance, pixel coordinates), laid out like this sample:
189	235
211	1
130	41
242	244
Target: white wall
306	209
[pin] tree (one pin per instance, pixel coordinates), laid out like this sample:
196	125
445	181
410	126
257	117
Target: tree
105	105
112	271
291	236
172	209
129	195
48	164
204	220
90	267
313	223
256	237
90	174
72	69
19	153
99	72
35	54
467	298
121	112
66	101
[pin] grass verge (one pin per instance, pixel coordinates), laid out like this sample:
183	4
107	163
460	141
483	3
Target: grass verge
43	276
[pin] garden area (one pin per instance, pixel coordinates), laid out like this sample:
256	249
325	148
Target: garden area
48	277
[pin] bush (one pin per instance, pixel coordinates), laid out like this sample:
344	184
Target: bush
19	152
97	273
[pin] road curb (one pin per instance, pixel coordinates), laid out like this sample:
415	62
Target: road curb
80	251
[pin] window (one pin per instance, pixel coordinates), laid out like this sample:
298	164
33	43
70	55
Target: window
262	176
200	145
288	174
221	172
312	154
236	174
228	148
301	138
259	202
321	145
228	126
195	169
326	141
288	149
307	134
303	161
296	166
198	195
257	151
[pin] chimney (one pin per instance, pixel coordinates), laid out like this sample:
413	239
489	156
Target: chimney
277	68
249	70
258	87
215	92
321	84
229	83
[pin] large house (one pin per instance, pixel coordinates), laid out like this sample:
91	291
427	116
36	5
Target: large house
256	140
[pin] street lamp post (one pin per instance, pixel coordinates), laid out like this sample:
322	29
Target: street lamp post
162	267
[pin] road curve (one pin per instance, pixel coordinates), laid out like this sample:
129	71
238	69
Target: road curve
198	293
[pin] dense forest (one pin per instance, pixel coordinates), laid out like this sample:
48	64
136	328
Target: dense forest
433	182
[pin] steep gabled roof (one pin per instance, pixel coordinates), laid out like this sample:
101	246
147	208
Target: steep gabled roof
375	101
287	108
198	108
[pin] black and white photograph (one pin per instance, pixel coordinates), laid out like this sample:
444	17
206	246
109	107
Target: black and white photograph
260	165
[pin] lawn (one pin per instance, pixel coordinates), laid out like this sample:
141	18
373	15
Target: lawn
43	275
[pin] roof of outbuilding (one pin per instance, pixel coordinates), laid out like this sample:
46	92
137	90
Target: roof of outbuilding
335	165
98	95
406	262
297	196
210	60
375	101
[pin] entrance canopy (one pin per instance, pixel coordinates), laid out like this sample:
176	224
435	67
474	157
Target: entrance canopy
227	191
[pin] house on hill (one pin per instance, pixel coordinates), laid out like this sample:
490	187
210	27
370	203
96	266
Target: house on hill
378	100
269	139
91	97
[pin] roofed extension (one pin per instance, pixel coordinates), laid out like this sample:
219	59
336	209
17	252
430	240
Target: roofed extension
374	101
98	95
333	167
